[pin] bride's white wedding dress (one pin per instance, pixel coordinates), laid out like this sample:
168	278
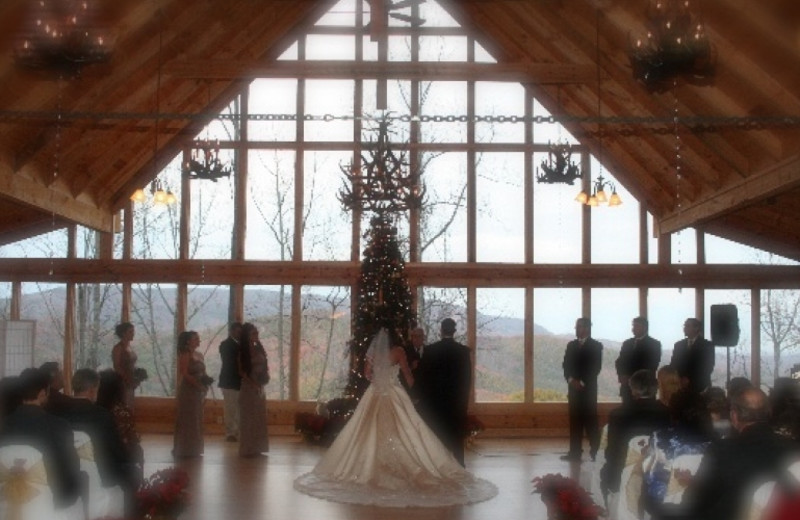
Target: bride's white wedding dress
387	456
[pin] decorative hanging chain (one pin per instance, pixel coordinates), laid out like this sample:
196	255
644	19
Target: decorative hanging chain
659	125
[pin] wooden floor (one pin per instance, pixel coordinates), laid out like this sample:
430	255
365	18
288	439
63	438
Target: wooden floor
224	486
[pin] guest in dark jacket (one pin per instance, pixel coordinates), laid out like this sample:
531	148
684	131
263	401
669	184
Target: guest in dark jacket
582	361
56	399
30	425
732	467
642	416
83	414
693	357
641	352
230	381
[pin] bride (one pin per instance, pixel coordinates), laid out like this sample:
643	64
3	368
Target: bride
386	455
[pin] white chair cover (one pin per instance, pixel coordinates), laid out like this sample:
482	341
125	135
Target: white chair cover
794	471
760	501
100	498
630	485
597	465
24	491
683	470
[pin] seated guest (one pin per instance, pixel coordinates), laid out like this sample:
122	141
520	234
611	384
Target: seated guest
83	414
30	425
736	385
690	434
669	382
111	396
732	467
719	408
784	399
642	416
10	397
56	399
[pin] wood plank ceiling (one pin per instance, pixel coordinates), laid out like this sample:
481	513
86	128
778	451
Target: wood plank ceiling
65	158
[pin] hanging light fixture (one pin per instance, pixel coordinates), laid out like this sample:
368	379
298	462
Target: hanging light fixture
204	161
62	36
675	44
160	192
601	184
558	168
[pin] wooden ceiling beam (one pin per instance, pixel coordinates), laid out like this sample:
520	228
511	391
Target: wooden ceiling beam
745	192
51	200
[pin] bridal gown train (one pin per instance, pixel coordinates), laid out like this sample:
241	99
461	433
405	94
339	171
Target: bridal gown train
387	456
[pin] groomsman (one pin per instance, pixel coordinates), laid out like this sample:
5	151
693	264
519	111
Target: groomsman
637	353
230	381
582	361
693	357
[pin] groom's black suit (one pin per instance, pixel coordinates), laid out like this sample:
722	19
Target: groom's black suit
443	381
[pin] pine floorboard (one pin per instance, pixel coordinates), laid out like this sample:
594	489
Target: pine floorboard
224	486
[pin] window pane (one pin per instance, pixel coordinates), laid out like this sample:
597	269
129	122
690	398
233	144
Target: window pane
5	300
615	230
270	205
554	315
44	302
47	245
97	312
499	352
269	307
612	313
723	251
780	341
325	330
499	99
206	313
740	359
667	310
153	316
334	97
444	98
556	224
437	303
276	97
443	220
211	221
443	48
500	208
156	227
330	47
684	247
327	229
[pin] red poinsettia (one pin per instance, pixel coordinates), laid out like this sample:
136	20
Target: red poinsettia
163	494
565	498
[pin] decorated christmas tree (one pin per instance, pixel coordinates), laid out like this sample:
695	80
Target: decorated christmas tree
383	299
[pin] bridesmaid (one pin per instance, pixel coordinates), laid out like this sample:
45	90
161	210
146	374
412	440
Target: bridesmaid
193	384
123	359
254	370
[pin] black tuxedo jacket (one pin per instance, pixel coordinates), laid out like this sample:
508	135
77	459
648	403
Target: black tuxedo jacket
730	469
109	451
695	363
640	417
633	356
583	362
443	382
32	426
229	377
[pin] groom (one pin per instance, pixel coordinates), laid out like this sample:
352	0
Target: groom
443	382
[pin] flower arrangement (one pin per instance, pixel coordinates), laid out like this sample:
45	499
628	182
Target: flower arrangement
163	494
565	498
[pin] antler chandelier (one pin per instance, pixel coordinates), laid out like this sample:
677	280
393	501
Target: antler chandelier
675	44
383	183
559	166
62	36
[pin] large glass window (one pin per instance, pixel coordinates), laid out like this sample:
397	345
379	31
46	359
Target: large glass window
52	244
156	227
780	334
556	224
667	310
211	225
499	352
324	351
615	230
437	303
443	220
207	314
326	225
274	97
